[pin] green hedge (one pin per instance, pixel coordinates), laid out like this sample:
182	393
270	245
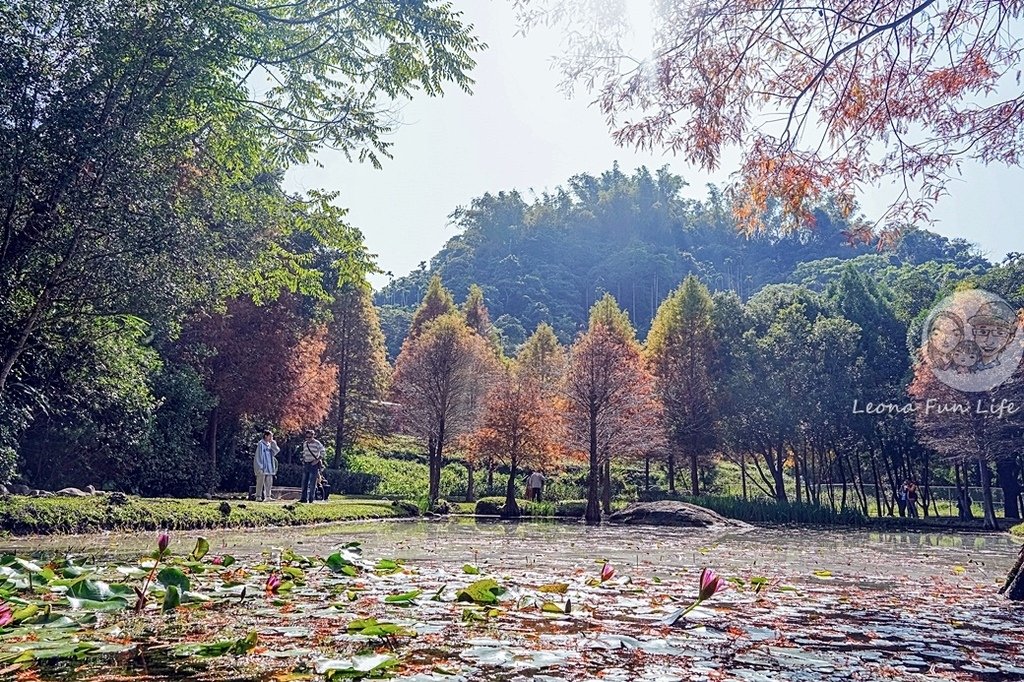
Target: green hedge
54	515
342	482
770	511
573	509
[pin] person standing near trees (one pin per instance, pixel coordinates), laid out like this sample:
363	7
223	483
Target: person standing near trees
534	483
313	454
912	499
265	466
901	499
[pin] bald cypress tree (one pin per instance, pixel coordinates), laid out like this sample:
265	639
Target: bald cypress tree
679	353
609	399
437	301
543	357
479	319
356	346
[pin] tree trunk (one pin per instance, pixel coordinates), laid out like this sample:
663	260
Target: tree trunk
858	485
434	483
812	479
891	476
831	482
694	476
1008	474
470	489
809	478
796	477
743	474
963	493
606	486
986	492
26	333
490	475
1013	586
842	476
211	437
647	473
593	515
671	466
925	489
777	474
339	427
878	486
511	508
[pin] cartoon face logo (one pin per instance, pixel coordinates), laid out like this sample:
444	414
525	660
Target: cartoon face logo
966	356
972	340
945	334
994	326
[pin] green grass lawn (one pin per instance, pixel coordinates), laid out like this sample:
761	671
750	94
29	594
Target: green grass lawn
27	515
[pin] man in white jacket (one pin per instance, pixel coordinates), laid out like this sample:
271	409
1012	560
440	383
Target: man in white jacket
265	466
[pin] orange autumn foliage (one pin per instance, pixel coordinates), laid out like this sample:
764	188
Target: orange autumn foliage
519	426
263	362
312	385
826	99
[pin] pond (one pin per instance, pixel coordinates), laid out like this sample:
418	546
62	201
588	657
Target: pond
800	604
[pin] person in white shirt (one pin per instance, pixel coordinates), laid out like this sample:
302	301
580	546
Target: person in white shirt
265	466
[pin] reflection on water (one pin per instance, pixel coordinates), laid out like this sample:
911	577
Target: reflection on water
785	552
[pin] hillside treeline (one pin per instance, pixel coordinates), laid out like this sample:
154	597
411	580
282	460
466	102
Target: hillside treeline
550	257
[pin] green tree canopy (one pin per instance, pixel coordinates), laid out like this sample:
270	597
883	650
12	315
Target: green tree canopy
436	302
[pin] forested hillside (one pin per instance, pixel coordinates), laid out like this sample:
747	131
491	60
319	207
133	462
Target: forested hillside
547	258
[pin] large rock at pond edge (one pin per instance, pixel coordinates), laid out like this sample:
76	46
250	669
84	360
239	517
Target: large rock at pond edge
671	513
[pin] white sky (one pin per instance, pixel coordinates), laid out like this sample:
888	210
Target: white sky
519	131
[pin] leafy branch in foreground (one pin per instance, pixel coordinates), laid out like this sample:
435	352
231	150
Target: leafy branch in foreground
824	98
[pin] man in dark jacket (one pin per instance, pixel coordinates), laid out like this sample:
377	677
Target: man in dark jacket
313	456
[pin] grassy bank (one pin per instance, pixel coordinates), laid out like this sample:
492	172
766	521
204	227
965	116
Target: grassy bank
56	515
1018	530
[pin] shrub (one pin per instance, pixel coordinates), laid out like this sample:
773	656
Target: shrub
406	508
571	508
394	478
443	506
568	485
453	481
8	464
342	482
493	506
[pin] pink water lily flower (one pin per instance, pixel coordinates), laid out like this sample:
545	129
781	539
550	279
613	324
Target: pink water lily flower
607	572
217	561
163	541
6	615
710	584
273	583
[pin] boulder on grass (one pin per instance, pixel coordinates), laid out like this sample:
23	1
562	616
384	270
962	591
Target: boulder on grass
76	492
672	513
